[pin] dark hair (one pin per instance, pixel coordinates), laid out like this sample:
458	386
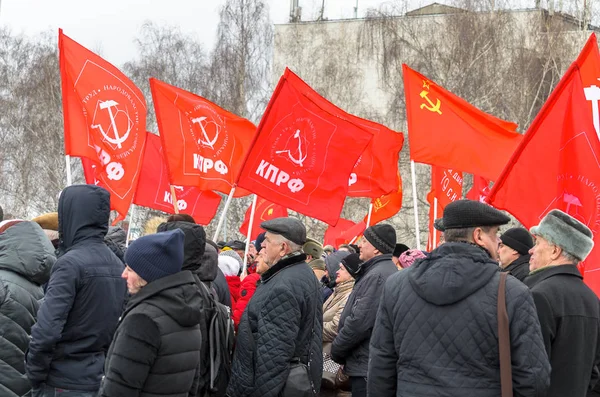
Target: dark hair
347	247
180	218
463	234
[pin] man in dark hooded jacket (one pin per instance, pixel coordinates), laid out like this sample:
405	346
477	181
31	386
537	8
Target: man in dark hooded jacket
26	257
436	332
283	321
83	301
351	345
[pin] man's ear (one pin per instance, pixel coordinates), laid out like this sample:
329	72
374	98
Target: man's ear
476	236
556	252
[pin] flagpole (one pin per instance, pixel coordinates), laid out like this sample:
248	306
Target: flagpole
249	234
222	218
68	164
131	216
369	214
353	240
435	215
174	199
414	189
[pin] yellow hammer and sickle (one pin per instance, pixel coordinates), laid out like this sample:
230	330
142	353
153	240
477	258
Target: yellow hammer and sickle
379	204
432	107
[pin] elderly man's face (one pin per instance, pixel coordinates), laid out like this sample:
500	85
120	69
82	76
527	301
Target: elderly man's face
506	255
274	248
542	254
367	250
488	240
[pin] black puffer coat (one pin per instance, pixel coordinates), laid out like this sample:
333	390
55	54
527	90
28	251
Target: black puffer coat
519	269
156	349
26	257
84	297
283	320
351	345
437	330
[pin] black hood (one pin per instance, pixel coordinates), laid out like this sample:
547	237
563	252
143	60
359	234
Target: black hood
332	262
26	250
83	213
451	273
194	245
118	236
177	295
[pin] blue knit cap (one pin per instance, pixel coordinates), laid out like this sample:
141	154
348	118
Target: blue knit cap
156	255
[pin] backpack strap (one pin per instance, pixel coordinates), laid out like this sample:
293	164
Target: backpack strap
504	340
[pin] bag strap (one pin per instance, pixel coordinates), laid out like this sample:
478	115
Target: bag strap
504	340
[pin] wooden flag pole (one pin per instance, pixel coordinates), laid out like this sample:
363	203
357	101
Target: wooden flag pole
249	235
69	175
415	203
222	218
174	199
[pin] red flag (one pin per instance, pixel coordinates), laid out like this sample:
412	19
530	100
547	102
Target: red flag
205	145
446	187
304	152
385	207
446	131
376	171
480	189
343	233
557	165
154	189
105	120
264	211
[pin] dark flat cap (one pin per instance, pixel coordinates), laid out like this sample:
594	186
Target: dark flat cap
288	227
400	248
469	213
438	224
236	245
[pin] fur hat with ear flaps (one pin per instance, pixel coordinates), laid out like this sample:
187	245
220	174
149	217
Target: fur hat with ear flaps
567	232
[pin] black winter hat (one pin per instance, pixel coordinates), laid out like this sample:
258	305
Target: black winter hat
462	214
352	264
259	240
400	248
518	239
156	255
382	236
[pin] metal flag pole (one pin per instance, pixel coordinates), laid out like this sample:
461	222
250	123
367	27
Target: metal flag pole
249	235
131	216
222	218
369	214
435	215
414	191
69	175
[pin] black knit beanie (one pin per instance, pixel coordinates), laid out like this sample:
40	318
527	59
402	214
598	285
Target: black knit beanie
382	237
156	255
518	239
352	264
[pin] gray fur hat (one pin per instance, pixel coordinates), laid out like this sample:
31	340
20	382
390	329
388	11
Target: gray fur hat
567	232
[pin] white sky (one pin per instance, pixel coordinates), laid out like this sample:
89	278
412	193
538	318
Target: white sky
110	26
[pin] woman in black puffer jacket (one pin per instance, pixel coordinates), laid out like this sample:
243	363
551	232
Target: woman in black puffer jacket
26	258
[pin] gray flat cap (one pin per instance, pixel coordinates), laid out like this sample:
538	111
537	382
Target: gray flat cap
290	228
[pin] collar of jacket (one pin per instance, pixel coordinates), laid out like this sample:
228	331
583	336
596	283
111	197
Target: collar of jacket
473	245
288	260
157	286
370	264
517	262
543	273
344	286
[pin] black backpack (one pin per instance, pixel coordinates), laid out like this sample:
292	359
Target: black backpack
216	355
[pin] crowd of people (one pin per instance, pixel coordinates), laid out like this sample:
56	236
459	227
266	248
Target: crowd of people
84	313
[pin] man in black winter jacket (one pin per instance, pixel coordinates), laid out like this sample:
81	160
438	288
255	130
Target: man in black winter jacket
283	322
83	302
436	332
513	252
351	345
567	308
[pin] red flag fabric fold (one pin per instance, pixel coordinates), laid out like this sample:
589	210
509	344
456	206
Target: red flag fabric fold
557	165
302	157
105	120
343	233
447	131
446	187
264	211
385	207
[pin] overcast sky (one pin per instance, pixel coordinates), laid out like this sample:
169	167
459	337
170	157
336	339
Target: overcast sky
110	26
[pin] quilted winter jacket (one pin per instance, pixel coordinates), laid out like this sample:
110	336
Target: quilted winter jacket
351	345
283	320
568	311
26	257
156	350
84	297
437	330
333	308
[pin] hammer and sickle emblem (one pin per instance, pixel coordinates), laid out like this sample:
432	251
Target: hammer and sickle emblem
432	107
379	204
